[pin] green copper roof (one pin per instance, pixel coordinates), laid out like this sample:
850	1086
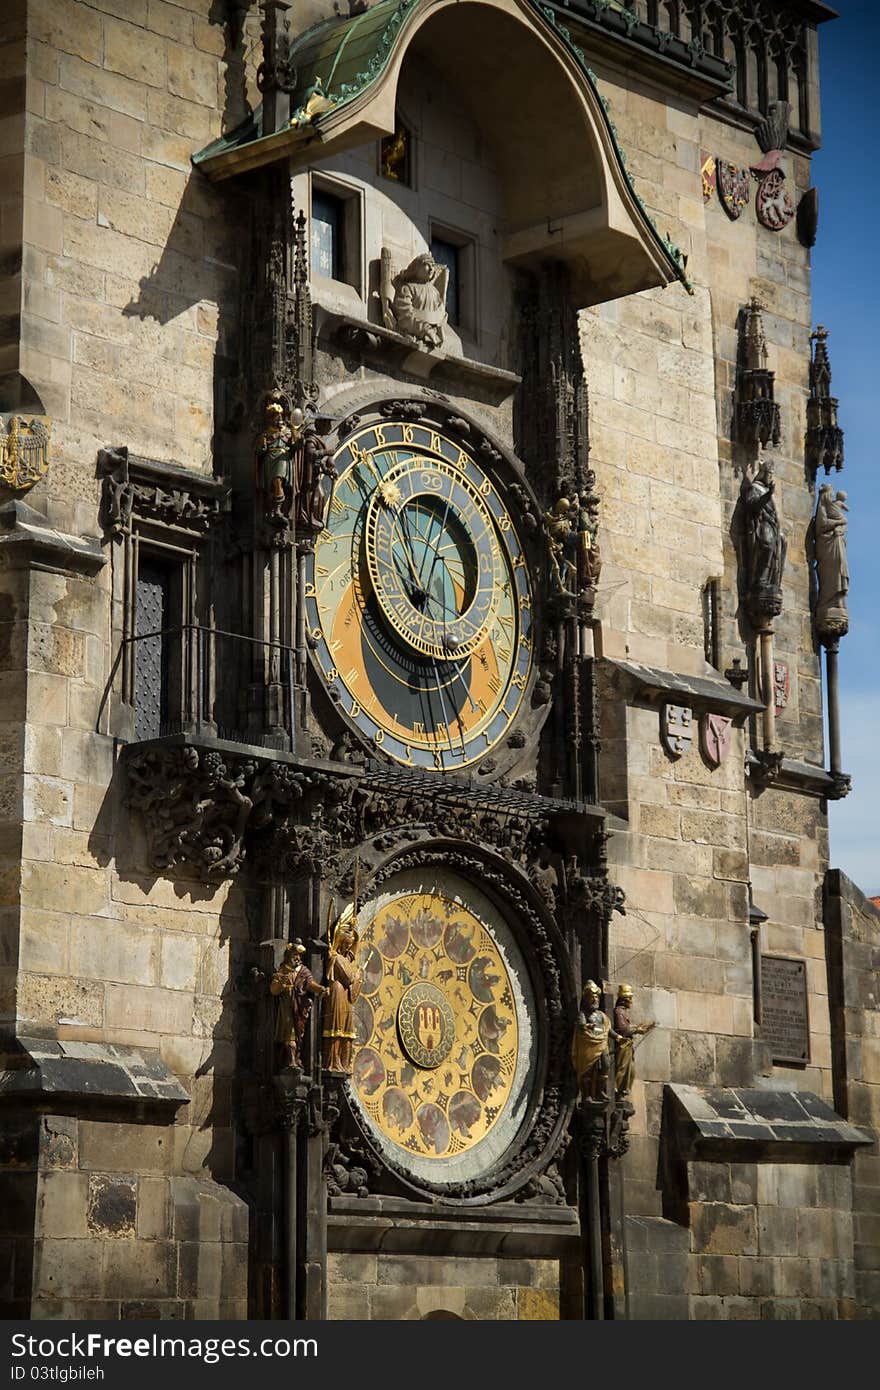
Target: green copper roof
340	58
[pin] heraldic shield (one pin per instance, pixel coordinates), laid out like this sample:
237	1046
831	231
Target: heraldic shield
716	733
733	187
24	452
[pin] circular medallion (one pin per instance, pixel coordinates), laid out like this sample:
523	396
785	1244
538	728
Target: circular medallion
426	1025
444	1053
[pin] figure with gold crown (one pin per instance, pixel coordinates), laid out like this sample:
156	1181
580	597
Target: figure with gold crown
589	1046
626	1032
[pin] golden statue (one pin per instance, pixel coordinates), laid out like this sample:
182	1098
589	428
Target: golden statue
625	1034
294	987
343	987
589	1045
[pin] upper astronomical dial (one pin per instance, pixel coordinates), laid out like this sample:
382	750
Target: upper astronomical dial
418	600
434	558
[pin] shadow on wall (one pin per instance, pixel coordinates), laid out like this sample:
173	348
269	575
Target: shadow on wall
204	998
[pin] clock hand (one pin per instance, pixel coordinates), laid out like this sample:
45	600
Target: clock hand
440	535
443	708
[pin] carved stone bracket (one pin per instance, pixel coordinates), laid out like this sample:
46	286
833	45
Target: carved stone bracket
207	807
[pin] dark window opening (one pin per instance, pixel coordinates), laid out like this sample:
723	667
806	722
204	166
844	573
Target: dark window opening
447	255
152	618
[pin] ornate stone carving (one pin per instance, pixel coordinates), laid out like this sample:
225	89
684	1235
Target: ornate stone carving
198	804
137	489
414	300
824	437
208	810
763	546
551	413
757	412
827	549
24	451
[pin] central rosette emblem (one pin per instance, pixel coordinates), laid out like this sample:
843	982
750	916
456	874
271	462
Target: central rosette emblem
426	1025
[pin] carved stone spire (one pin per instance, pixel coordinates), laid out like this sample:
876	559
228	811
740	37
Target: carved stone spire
276	76
757	410
824	439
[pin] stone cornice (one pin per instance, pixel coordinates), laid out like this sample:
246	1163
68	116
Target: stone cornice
30	542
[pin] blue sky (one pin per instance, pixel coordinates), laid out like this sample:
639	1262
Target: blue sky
846	299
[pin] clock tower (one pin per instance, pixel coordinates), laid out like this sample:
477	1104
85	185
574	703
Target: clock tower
417	567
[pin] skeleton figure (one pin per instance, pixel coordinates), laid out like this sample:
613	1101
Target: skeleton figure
563	564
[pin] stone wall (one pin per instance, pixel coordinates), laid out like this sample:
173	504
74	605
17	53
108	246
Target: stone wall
392	1287
852	926
94	1224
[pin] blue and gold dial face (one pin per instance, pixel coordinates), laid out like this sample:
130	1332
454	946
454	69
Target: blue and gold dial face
418	598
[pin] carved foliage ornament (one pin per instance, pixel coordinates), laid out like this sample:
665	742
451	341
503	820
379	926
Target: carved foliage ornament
24	451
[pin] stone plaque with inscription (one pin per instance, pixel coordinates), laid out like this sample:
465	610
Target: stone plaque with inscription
784	1022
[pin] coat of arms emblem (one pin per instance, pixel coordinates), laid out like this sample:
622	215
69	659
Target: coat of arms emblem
716	735
676	729
707	174
773	205
733	187
24	452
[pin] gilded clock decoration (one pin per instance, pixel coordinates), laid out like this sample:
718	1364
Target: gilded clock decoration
426	1025
418	600
437	1029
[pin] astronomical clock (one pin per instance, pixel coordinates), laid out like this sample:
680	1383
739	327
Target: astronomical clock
419	598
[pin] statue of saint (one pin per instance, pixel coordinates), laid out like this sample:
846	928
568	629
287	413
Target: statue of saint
294	987
275	448
312	463
560	535
828	547
763	542
418	307
589	1045
343	987
627	1032
589	555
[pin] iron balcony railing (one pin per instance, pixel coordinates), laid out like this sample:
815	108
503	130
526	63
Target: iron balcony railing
208	681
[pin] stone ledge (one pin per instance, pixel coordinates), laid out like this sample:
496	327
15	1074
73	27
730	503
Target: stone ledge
31	543
37	1071
752	1125
396	350
395	1225
703	693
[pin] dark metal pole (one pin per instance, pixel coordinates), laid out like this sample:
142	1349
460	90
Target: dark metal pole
832	649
